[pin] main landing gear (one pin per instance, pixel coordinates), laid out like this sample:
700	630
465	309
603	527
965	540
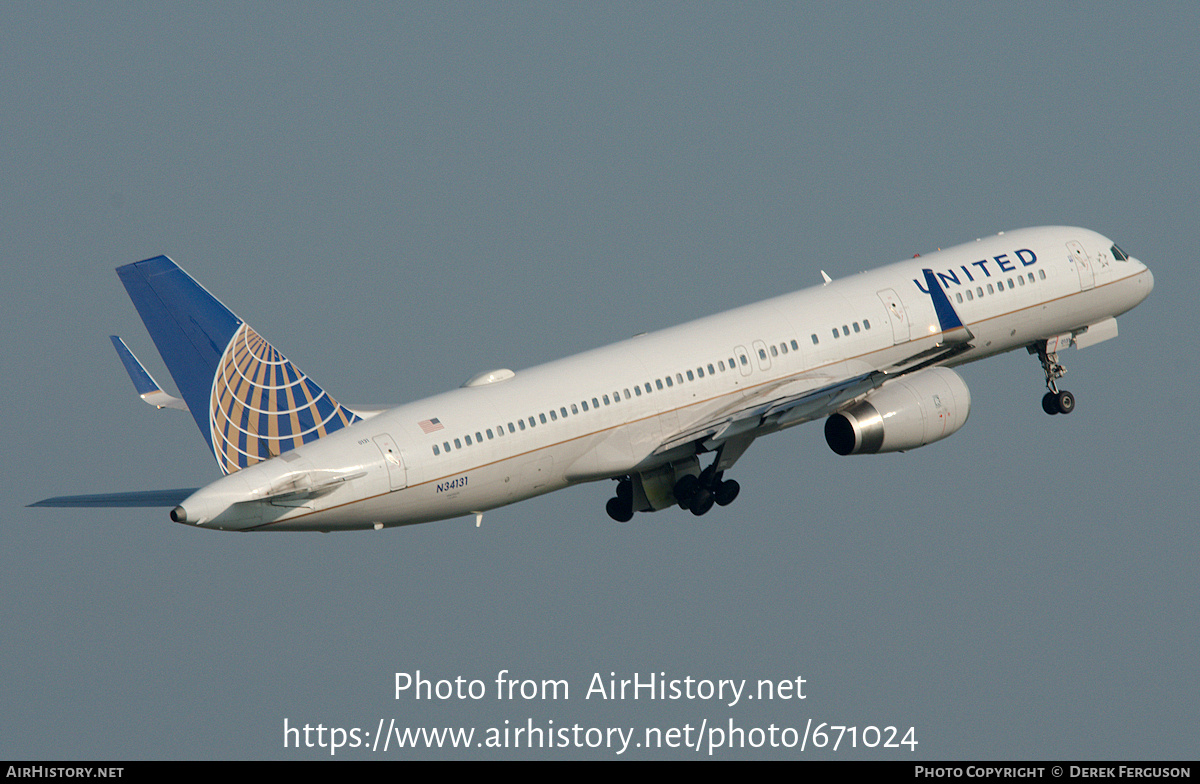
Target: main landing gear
699	493
621	507
1055	401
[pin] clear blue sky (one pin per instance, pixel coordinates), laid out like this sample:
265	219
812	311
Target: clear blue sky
399	196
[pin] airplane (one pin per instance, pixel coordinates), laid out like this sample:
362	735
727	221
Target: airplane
664	414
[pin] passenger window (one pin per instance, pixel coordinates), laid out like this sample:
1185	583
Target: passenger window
595	403
711	372
490	436
1041	274
845	330
584	404
457	444
521	424
510	428
1010	283
856	326
795	345
783	347
436	451
467	439
542	417
990	289
979	290
1000	285
532	422
866	324
478	437
958	297
814	339
636	390
970	296
1021	280
699	372
446	446
774	351
836	334
670	383
606	400
691	376
658	383
762	354
574	409
648	389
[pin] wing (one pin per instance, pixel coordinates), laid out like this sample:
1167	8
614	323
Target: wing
810	396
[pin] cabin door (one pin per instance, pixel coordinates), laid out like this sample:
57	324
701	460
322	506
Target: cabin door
897	315
391	458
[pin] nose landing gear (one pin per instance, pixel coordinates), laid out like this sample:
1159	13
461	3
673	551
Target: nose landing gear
1055	401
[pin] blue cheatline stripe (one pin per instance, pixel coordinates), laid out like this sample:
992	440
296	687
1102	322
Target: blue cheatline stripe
947	317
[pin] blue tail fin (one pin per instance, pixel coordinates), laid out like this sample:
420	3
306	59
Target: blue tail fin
248	400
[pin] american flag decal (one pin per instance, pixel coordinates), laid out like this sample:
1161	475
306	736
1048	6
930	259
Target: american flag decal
430	425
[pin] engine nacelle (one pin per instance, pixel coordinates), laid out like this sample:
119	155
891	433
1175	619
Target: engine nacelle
906	413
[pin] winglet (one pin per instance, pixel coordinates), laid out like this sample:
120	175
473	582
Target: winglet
952	327
145	385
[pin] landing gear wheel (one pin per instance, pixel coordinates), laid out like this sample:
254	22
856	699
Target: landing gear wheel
686	489
702	502
727	491
619	510
1061	402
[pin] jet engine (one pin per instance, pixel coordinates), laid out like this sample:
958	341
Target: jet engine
905	413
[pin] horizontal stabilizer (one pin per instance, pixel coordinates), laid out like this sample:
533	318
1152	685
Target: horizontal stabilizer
152	498
147	388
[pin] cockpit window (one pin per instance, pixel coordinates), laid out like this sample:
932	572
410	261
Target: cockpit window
1119	254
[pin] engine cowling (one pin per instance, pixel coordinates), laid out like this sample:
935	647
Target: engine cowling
906	413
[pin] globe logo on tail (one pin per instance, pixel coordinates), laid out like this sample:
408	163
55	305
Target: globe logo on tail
262	405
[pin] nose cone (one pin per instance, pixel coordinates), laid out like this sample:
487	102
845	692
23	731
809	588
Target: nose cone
1145	281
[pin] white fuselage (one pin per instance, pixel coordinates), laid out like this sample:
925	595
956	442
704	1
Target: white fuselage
479	447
